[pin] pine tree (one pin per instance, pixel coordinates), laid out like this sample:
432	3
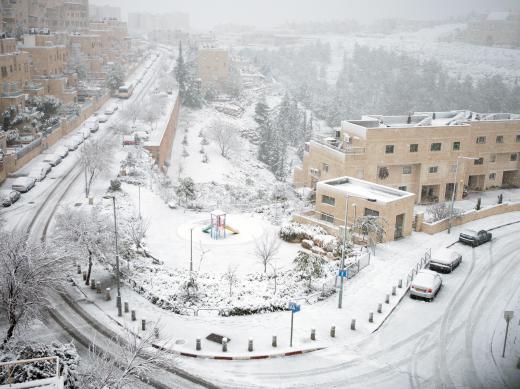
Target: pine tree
181	72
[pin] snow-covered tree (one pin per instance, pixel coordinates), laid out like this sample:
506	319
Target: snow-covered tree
137	228
441	211
266	248
115	77
310	265
181	72
226	135
133	357
28	272
48	105
132	111
185	190
373	227
95	159
231	277
82	234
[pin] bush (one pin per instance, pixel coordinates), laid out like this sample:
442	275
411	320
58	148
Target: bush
296	232
115	185
479	204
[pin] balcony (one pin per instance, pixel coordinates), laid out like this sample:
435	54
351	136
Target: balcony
338	145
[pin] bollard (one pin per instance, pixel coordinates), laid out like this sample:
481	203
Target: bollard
518	364
156	332
400	284
394	290
98	288
371	317
333	331
107	294
387	299
197	344
313	334
79	269
353	325
126	306
379	308
91	200
133	314
224	345
274	343
84	276
143	324
92	284
250	345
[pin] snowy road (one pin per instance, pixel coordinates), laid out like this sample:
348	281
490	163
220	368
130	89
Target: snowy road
455	341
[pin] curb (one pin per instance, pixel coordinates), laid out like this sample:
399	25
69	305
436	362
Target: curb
393	308
245	358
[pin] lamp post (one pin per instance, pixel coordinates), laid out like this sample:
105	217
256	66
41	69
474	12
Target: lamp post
455	189
118	298
139	186
191	249
340	297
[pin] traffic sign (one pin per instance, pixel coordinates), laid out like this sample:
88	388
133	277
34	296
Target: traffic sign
343	273
508	315
294	307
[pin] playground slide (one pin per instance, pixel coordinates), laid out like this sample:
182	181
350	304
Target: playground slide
206	229
232	230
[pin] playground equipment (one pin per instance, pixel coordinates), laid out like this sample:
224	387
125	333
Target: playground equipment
218	227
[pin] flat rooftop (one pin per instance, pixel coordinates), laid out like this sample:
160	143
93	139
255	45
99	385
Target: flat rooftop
366	189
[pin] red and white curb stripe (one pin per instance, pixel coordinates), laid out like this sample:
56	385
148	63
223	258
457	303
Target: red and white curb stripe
246	357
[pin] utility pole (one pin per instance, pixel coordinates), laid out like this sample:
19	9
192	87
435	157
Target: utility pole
191	249
139	186
508	315
118	298
455	190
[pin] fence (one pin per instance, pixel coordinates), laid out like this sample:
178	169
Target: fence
20	153
55	382
361	262
422	264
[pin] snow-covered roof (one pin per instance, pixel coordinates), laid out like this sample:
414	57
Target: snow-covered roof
498	16
360	188
218	212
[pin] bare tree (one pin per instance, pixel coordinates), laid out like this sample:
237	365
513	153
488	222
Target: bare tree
134	357
274	275
373	227
441	211
137	228
231	277
95	159
131	111
28	272
82	234
226	135
266	248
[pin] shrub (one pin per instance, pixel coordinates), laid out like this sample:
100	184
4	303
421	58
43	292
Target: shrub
115	185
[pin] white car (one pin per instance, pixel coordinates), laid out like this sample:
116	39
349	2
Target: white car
85	132
38	173
53	159
426	285
103	118
109	111
446	262
62	151
23	184
8	197
92	124
43	165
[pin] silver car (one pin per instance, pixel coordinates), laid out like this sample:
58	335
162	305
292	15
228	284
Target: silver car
445	263
8	197
426	285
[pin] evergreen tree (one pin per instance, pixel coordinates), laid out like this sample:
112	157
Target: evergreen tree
181	72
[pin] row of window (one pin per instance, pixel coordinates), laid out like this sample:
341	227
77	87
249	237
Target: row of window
437	146
5	70
326	217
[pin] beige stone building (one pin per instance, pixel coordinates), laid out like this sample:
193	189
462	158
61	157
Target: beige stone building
15	73
496	29
419	153
364	198
214	67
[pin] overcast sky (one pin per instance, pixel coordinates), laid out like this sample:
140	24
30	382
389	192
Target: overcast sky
205	14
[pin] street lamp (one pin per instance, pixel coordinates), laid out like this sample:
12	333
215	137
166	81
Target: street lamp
118	298
340	297
455	189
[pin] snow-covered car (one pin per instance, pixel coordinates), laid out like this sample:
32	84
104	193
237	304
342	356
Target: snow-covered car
8	197
44	165
130	140
474	238
53	159
38	173
426	285
445	263
141	135
103	118
109	110
23	184
92	124
62	151
85	132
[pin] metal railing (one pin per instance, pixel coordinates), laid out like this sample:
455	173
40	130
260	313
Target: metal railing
57	381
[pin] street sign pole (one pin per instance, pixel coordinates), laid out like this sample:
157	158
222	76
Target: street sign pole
508	315
292	321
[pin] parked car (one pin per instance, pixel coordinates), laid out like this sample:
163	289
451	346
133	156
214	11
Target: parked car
130	140
44	165
85	132
474	238
8	197
62	151
23	184
109	110
92	124
446	262
37	173
53	159
103	118
426	285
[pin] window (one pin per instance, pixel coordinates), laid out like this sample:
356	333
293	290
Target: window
456	146
492	176
407	169
453	168
360	173
328	200
435	147
403	188
433	169
481	140
514	157
500	138
371	212
389	149
325	167
479	161
414	147
518	139
327	218
492	158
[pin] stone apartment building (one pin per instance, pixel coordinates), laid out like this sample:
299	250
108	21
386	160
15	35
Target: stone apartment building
214	66
418	153
496	29
15	74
